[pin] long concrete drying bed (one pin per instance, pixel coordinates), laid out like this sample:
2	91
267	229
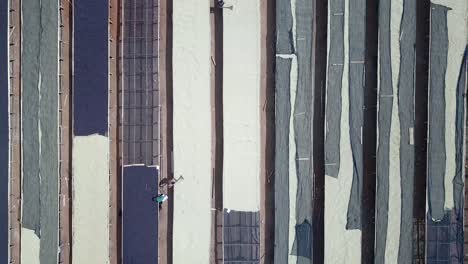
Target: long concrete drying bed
40	129
191	131
90	176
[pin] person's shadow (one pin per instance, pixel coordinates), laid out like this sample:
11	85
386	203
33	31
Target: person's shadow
164	182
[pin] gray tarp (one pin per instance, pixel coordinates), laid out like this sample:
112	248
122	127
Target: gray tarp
436	123
406	93
357	29
282	119
302	119
385	97
334	82
284	23
40	125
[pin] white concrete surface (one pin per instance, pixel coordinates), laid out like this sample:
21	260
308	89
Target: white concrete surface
457	23
90	212
30	244
241	105
394	187
292	162
341	245
192	131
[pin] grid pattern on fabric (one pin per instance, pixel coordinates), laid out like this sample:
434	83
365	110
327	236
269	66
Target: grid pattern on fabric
445	240
140	83
241	237
419	229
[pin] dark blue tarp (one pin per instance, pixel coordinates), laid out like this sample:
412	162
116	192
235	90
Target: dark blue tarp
90	88
140	215
4	132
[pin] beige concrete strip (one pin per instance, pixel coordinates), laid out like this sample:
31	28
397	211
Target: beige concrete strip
241	105
30	242
341	245
292	162
192	131
90	214
457	35
394	186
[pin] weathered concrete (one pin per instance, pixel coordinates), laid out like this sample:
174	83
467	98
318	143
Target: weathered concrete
90	213
241	106
140	215
192	131
40	124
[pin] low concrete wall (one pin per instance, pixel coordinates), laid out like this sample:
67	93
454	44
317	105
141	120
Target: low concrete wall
4	134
